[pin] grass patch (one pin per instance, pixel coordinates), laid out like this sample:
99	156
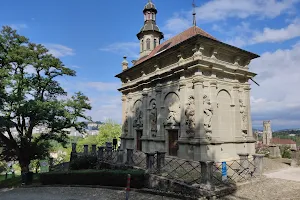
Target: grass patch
16	181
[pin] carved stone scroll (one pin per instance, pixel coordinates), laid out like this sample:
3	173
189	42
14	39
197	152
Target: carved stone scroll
208	113
190	117
243	116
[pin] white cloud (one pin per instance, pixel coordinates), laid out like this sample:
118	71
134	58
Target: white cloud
216	10
129	49
59	50
103	86
278	35
18	26
277	97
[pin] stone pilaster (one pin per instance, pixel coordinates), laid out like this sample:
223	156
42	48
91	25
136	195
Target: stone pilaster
199	116
123	108
213	99
237	115
248	104
183	96
158	98
146	131
130	116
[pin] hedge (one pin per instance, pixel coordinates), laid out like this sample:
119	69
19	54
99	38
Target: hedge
117	178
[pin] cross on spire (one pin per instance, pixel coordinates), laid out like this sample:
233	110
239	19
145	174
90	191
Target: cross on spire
194	14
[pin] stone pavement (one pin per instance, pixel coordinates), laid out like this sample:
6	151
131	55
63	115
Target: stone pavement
68	193
292	174
277	185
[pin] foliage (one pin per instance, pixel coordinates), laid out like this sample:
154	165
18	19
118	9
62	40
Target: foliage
285	151
95	177
84	162
3	166
108	131
31	96
263	150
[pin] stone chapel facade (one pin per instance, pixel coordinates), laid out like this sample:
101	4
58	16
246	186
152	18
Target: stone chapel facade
188	96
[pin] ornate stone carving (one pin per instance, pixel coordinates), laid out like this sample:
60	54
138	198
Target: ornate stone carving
153	118
214	54
198	50
243	116
172	102
138	121
208	113
190	117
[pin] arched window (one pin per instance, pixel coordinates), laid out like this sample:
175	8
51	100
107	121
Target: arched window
154	43
148	44
142	45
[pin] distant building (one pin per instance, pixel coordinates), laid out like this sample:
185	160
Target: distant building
267	133
284	142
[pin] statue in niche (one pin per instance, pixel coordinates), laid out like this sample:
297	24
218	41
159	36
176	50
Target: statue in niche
208	111
153	119
190	117
244	116
172	118
138	122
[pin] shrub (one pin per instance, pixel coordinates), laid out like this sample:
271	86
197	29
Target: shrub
116	178
84	162
285	152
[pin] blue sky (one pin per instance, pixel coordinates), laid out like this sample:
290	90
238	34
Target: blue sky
92	36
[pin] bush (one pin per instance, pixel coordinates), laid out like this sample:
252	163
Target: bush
285	152
84	162
116	178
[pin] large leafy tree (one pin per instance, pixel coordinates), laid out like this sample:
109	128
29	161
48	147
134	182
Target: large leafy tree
108	131
31	96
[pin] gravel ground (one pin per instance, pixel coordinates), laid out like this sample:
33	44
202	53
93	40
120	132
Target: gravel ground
268	189
273	165
65	193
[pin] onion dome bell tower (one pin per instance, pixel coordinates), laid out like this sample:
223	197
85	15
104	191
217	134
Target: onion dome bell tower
149	34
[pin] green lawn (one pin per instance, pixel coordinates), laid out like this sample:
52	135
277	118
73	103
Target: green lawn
16	181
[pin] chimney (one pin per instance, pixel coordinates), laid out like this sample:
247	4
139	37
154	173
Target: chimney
124	64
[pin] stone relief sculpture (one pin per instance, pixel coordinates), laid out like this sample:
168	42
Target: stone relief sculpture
172	102
138	121
153	118
190	117
243	115
208	111
244	118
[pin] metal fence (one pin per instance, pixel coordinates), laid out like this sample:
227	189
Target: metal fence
186	171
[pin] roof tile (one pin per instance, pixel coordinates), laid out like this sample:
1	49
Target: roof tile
282	141
191	32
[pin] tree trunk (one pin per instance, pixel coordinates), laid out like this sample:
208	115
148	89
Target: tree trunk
24	164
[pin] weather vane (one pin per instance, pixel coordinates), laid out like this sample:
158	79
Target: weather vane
194	13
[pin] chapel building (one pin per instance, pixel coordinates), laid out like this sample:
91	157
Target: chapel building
188	96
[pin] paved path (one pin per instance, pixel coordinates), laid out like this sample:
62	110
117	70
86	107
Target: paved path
292	174
67	193
279	185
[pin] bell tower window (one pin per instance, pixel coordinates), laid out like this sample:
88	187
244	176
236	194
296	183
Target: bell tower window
148	44
154	45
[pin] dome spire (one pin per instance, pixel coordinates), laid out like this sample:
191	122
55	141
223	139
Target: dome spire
149	34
